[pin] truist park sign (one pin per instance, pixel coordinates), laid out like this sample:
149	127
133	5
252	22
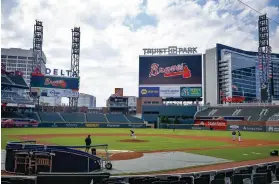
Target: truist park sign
171	50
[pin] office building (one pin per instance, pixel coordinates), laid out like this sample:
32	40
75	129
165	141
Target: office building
16	59
86	100
231	72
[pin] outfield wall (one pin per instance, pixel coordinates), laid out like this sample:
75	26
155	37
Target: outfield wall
199	125
226	126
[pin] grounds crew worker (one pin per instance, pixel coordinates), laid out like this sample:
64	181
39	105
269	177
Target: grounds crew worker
88	143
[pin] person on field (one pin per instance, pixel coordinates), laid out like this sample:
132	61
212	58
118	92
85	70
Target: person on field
239	136
133	134
233	135
87	143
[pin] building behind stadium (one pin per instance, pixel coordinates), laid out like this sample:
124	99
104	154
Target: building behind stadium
17	59
86	100
234	72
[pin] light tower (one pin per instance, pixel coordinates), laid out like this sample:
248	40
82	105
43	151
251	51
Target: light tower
265	63
75	54
38	45
37	54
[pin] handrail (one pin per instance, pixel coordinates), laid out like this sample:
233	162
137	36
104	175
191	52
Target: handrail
18	142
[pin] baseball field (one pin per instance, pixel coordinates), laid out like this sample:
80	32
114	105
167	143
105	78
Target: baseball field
254	145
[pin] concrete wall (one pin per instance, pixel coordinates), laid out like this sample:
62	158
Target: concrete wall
210	73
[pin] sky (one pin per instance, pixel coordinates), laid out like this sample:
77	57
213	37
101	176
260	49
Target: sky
114	32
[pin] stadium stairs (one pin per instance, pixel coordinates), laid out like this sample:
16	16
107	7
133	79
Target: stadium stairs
39	119
127	118
85	117
77	117
61	116
106	118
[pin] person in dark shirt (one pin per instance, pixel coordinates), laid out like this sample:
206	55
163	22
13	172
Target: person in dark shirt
133	134
233	135
88	143
239	136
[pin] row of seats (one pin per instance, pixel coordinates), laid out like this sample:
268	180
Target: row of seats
19	115
268	174
75	117
5	80
251	113
275	117
14	97
13	80
81	117
249	175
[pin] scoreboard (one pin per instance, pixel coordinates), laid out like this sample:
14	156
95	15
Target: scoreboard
118	104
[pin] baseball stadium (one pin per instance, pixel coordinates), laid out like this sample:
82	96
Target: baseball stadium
189	126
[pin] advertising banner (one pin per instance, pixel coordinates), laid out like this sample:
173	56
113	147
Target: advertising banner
188	92
247	128
158	70
55	82
91	125
62	125
174	126
169	91
272	129
114	125
181	126
51	92
149	91
215	124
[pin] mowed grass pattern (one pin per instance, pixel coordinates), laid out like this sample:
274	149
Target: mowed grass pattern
36	131
155	142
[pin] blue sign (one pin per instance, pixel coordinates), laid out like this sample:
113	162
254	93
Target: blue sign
56	82
149	92
190	92
252	128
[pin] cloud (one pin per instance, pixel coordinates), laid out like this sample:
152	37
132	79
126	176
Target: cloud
113	33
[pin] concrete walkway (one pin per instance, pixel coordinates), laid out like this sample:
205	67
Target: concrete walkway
151	162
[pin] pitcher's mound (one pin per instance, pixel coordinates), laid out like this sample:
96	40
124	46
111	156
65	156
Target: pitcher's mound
133	140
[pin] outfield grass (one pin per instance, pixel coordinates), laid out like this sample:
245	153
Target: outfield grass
155	143
36	131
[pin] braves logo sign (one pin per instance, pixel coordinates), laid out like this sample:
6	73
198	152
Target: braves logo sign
174	70
57	83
